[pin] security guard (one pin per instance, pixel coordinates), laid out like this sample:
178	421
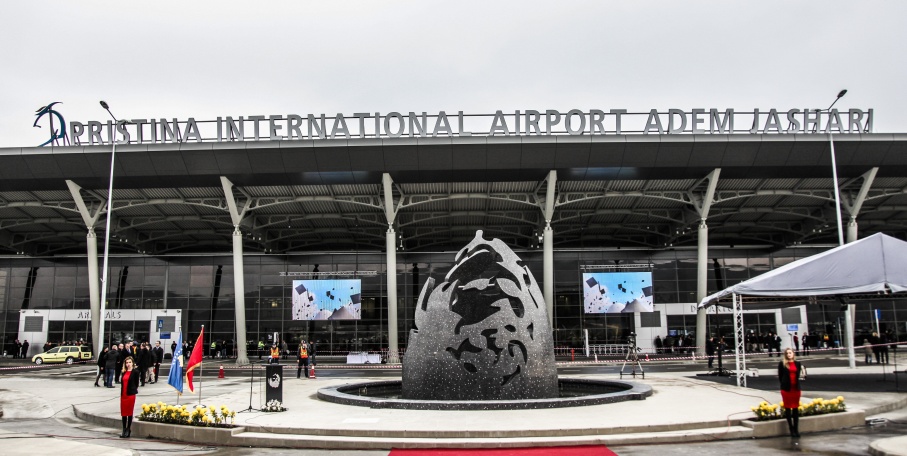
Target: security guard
275	355
261	348
302	360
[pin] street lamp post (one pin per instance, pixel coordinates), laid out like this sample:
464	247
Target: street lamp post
848	314
113	153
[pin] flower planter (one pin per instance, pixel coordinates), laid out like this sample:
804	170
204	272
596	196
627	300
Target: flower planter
816	423
184	433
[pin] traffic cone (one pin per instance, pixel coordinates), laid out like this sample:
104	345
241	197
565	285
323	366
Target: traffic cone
220	374
312	372
647	356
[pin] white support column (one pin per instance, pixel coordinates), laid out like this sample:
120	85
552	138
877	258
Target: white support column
548	273
390	213
702	263
854	203
548	247
242	357
236	216
851	308
94	299
94	289
852	229
739	341
853	209
393	353
703	204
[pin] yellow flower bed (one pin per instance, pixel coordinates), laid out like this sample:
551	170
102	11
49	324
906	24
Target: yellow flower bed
818	406
181	414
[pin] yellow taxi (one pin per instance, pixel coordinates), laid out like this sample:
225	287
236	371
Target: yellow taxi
64	354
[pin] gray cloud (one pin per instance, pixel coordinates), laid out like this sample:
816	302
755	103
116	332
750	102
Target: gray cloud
209	59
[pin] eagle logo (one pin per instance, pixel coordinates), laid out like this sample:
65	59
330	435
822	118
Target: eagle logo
56	134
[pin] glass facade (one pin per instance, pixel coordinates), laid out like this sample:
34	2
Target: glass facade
203	287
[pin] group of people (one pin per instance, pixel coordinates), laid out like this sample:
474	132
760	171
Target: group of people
305	355
714	345
763	342
876	346
19	349
220	348
672	344
145	358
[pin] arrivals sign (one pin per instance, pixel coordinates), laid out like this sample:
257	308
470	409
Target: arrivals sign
573	122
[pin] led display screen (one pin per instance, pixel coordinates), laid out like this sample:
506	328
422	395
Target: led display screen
327	299
617	292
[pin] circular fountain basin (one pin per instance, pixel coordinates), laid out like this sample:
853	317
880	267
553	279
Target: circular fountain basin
572	393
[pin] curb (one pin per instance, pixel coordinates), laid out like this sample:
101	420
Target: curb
817	423
385	440
892	446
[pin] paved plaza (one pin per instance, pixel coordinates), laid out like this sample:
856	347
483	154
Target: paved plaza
684	408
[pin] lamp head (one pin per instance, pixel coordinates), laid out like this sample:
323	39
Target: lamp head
840	94
105	106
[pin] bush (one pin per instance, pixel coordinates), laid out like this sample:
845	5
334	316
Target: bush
765	411
181	414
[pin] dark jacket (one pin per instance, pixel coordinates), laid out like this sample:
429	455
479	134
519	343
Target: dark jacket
158	353
132	388
102	360
144	360
112	359
784	376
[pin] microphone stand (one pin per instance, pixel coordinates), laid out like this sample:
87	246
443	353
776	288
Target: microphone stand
251	382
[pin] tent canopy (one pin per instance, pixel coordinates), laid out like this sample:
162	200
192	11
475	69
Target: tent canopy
874	264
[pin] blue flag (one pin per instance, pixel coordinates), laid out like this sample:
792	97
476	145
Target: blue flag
176	367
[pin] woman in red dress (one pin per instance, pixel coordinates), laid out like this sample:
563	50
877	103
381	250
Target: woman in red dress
130	387
789	370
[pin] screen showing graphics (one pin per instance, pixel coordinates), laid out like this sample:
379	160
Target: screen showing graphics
327	299
616	292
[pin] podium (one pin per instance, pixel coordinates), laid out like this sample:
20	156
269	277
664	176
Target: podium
274	383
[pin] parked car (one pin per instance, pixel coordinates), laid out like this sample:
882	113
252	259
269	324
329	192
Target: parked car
64	354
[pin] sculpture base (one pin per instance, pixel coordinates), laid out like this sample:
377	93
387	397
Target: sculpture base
572	393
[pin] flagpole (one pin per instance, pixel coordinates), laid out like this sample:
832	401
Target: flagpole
179	393
201	368
173	353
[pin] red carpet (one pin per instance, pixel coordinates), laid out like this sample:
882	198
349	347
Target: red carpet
595	450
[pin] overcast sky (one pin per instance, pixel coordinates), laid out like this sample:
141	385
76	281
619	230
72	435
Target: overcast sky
238	58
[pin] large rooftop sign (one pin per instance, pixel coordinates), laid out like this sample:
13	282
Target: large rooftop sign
574	122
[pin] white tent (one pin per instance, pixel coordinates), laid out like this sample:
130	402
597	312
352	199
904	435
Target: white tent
877	263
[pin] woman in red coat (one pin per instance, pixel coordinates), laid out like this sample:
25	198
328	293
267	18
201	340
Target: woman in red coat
789	372
130	387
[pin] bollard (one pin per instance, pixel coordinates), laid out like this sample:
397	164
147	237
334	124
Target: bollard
596	357
572	354
647	356
220	374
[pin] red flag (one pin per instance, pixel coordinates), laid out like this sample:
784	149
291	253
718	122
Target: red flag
196	359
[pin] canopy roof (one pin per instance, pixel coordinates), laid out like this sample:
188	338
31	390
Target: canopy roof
873	264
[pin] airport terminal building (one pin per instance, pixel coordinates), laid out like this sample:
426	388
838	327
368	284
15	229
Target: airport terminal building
217	222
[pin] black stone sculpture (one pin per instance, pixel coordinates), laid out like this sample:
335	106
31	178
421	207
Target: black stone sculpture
483	333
